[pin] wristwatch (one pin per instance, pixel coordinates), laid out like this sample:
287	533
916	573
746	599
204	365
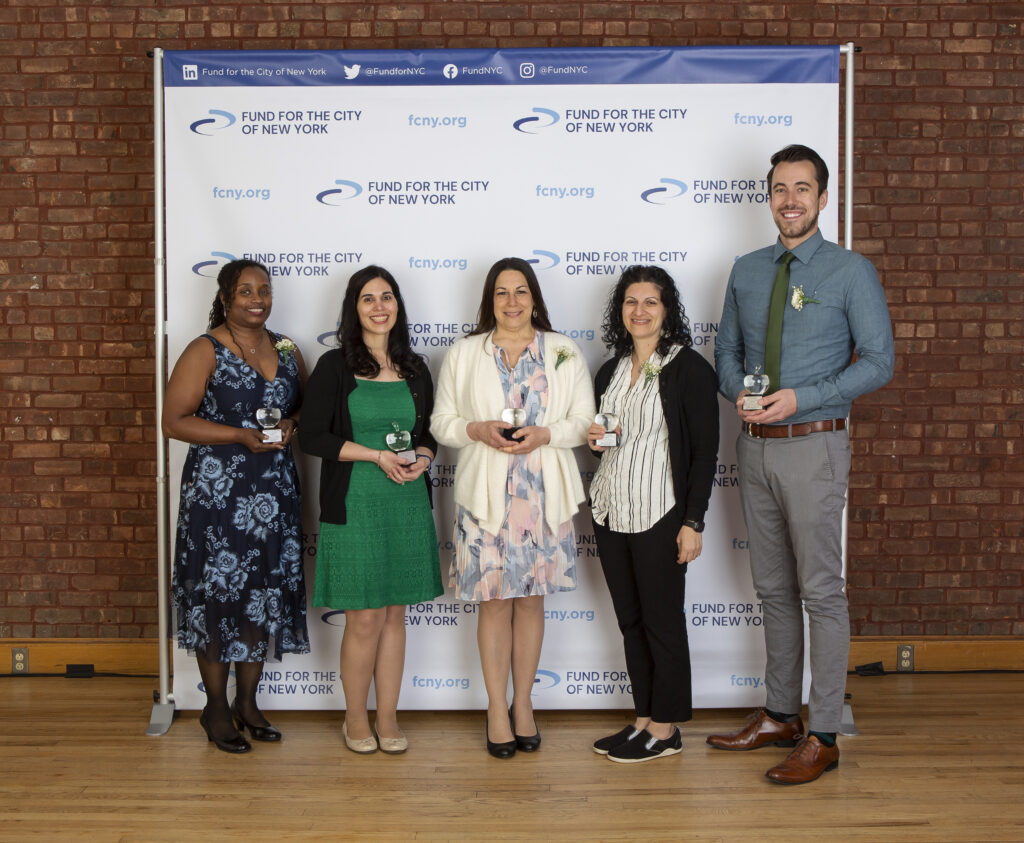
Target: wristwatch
696	526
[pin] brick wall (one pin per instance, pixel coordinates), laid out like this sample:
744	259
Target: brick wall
936	503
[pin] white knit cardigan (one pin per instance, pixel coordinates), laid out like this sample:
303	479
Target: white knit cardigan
469	390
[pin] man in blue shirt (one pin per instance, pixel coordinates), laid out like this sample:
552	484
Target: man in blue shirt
794	451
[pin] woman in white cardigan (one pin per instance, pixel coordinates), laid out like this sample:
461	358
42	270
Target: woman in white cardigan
517	485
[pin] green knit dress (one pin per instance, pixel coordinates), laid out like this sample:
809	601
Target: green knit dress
386	552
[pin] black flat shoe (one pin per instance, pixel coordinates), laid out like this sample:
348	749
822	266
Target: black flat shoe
524	743
236	745
602	746
505	749
259	733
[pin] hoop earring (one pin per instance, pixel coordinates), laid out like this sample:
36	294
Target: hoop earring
535	313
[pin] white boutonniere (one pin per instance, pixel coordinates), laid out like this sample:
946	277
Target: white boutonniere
285	347
650	372
562	354
800	299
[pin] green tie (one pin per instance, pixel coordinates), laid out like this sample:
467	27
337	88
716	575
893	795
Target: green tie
773	341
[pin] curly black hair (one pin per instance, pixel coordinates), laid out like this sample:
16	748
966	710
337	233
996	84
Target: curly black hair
674	330
350	332
227	283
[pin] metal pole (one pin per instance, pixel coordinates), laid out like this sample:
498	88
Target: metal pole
847	725
849	49
163	707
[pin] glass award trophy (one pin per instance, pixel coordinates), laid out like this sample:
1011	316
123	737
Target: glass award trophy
268	418
609	421
515	416
399	441
757	385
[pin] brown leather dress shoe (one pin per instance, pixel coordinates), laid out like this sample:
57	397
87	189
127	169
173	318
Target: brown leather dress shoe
809	760
760	730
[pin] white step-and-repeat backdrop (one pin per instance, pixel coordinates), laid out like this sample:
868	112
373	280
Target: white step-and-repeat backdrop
436	163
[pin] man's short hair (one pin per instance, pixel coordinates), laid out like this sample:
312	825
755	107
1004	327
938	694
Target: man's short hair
798	152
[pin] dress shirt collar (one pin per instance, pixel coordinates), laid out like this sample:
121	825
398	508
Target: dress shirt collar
804	252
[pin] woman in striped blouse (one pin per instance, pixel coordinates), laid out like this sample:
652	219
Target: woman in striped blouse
649	497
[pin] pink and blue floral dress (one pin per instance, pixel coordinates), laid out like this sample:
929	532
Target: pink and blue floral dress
525	558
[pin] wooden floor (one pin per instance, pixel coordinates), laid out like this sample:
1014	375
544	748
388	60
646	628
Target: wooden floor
939	757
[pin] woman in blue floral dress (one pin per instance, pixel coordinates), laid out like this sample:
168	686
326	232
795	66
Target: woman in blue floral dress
237	578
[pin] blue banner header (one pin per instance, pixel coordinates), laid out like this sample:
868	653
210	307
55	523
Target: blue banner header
578	66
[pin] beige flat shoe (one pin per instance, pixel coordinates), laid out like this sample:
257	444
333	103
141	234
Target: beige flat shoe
364	746
392	746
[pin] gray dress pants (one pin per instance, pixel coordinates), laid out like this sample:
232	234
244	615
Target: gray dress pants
793	492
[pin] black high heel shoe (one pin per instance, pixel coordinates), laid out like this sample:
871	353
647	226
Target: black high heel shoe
236	745
505	749
524	743
259	733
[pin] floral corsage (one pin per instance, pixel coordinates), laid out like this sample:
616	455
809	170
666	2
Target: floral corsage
799	299
285	347
651	371
562	354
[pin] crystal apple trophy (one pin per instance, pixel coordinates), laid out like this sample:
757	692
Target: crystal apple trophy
399	440
515	416
757	385
268	418
609	421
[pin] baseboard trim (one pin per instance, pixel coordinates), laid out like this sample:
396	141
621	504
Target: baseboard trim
133	657
140	656
939	652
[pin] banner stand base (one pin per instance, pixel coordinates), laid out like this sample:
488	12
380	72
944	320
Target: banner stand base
160	719
847	727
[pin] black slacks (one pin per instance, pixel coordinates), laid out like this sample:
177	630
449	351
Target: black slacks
648	591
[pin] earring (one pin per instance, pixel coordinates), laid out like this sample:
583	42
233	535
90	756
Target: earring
535	313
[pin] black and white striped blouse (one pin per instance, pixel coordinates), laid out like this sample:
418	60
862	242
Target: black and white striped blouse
632	489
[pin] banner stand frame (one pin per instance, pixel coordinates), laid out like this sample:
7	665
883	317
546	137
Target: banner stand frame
847	727
163	708
163	711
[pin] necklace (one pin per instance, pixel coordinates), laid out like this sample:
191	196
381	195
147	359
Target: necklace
240	347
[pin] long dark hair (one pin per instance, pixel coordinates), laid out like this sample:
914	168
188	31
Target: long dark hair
227	283
350	332
675	329
485	321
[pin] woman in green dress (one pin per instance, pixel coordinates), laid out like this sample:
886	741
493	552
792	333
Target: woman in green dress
377	551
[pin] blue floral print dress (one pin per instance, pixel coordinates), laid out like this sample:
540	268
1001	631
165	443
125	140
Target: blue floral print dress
238	580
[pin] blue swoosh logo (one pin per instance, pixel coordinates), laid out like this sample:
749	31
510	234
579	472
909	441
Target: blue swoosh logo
525	124
545	679
339	192
550	256
197	268
654	193
210	120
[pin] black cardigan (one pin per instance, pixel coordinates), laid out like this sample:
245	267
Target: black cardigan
689	398
326	425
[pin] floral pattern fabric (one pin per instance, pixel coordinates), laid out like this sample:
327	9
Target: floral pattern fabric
525	558
237	579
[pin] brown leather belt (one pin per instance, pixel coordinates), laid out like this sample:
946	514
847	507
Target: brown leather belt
785	431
